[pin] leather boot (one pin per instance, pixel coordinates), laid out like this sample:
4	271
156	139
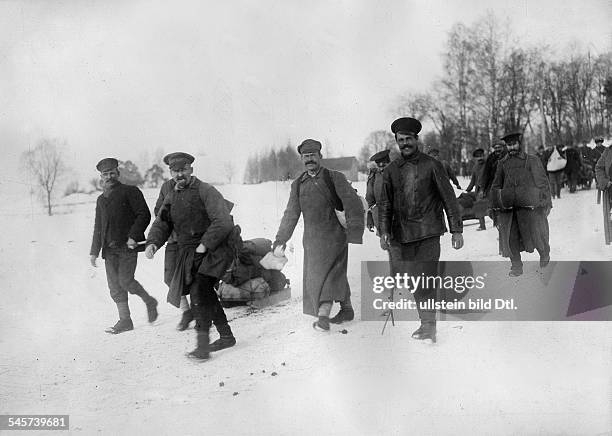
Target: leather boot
427	330
322	324
123	325
202	351
152	309
345	314
226	339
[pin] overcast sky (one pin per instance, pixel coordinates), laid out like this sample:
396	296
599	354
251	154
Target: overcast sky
224	79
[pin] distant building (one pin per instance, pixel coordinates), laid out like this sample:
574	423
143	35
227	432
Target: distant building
346	165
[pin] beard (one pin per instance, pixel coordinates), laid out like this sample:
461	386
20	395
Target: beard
108	184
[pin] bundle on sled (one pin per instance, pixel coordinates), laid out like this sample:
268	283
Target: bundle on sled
471	207
254	276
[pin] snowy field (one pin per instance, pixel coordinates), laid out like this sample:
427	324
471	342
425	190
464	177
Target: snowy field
282	377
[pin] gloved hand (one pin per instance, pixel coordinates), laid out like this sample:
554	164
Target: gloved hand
370	221
92	260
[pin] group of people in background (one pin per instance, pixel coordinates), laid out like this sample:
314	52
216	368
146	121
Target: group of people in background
570	166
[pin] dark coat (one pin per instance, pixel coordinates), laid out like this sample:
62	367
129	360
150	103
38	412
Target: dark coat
476	177
520	173
574	161
121	214
415	194
198	214
596	153
488	172
374	195
166	188
325	240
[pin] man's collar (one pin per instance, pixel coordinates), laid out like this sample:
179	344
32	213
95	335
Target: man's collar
307	176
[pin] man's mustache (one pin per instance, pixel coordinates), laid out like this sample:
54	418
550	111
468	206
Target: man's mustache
310	162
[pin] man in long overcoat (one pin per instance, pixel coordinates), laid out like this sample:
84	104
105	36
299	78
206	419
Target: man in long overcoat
416	193
521	192
316	194
170	258
122	215
200	218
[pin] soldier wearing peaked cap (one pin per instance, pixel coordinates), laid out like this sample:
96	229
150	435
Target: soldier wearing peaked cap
317	194
416	193
178	160
122	215
521	194
374	188
199	218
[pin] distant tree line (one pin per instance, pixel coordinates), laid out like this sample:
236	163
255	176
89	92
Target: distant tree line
283	164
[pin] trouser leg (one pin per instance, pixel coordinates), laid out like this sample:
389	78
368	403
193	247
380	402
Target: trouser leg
325	308
482	223
428	254
205	302
415	258
346	304
111	264
514	243
127	269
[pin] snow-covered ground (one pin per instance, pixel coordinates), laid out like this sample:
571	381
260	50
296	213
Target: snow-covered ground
282	377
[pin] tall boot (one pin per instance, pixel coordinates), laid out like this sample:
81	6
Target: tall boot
125	322
202	351
225	340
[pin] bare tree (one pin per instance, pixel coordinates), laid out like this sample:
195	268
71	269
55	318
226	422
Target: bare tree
45	165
